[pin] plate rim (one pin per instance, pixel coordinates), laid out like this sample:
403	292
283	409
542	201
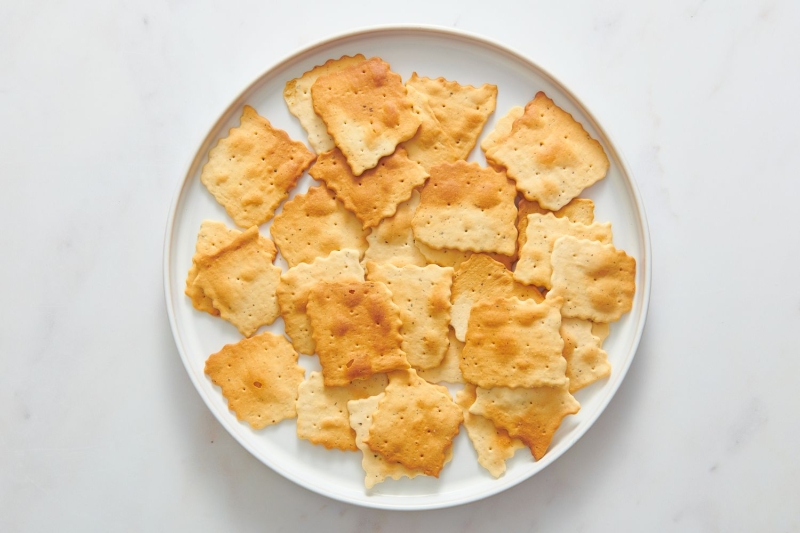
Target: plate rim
441	31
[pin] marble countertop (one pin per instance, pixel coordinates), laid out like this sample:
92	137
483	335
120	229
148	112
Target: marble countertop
102	105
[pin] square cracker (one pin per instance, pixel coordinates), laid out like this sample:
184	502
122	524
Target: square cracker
514	343
423	296
415	423
366	111
292	293
533	267
596	280
467	207
431	145
549	154
259	377
251	171
375	194
322	415
240	280
494	446
356	329
449	370
579	210
482	279
392	241
297	95
531	415
587	362
315	224
462	110
212	236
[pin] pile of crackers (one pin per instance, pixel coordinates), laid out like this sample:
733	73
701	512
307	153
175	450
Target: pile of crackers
409	267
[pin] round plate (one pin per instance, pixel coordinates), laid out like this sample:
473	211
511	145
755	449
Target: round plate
431	52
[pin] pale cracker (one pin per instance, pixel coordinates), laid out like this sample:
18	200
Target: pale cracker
502	128
375	194
596	280
356	329
467	207
241	280
431	145
297	94
212	236
533	267
449	370
462	110
577	210
251	171
482	279
531	415
452	258
494	446
340	265
587	362
259	377
415	423
392	241
514	343
315	224
322	415
366	111
423	296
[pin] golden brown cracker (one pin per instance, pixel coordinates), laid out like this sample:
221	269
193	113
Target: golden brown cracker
482	279
494	446
467	207
587	362
356	329
531	415
366	111
259	377
392	241
322	415
375	194
549	154
240	280
292	293
415	423
449	370
212	236
422	294
533	267
315	224
297	95
251	171
514	343
431	145
596	280
579	210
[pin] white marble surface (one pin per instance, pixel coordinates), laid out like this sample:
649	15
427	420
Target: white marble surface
101	107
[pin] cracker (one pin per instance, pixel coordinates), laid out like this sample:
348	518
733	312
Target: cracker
356	328
600	330
422	294
449	370
482	279
431	145
315	224
494	446
514	343
375	194
375	465
596	280
366	111
297	94
531	415
392	241
577	210
467	207
240	280
259	377
213	235
462	110
251	171
415	423
292	293
587	362
322	415
533	267
502	128
549	154
452	258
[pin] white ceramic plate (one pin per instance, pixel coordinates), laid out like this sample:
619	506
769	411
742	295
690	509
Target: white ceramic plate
430	52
